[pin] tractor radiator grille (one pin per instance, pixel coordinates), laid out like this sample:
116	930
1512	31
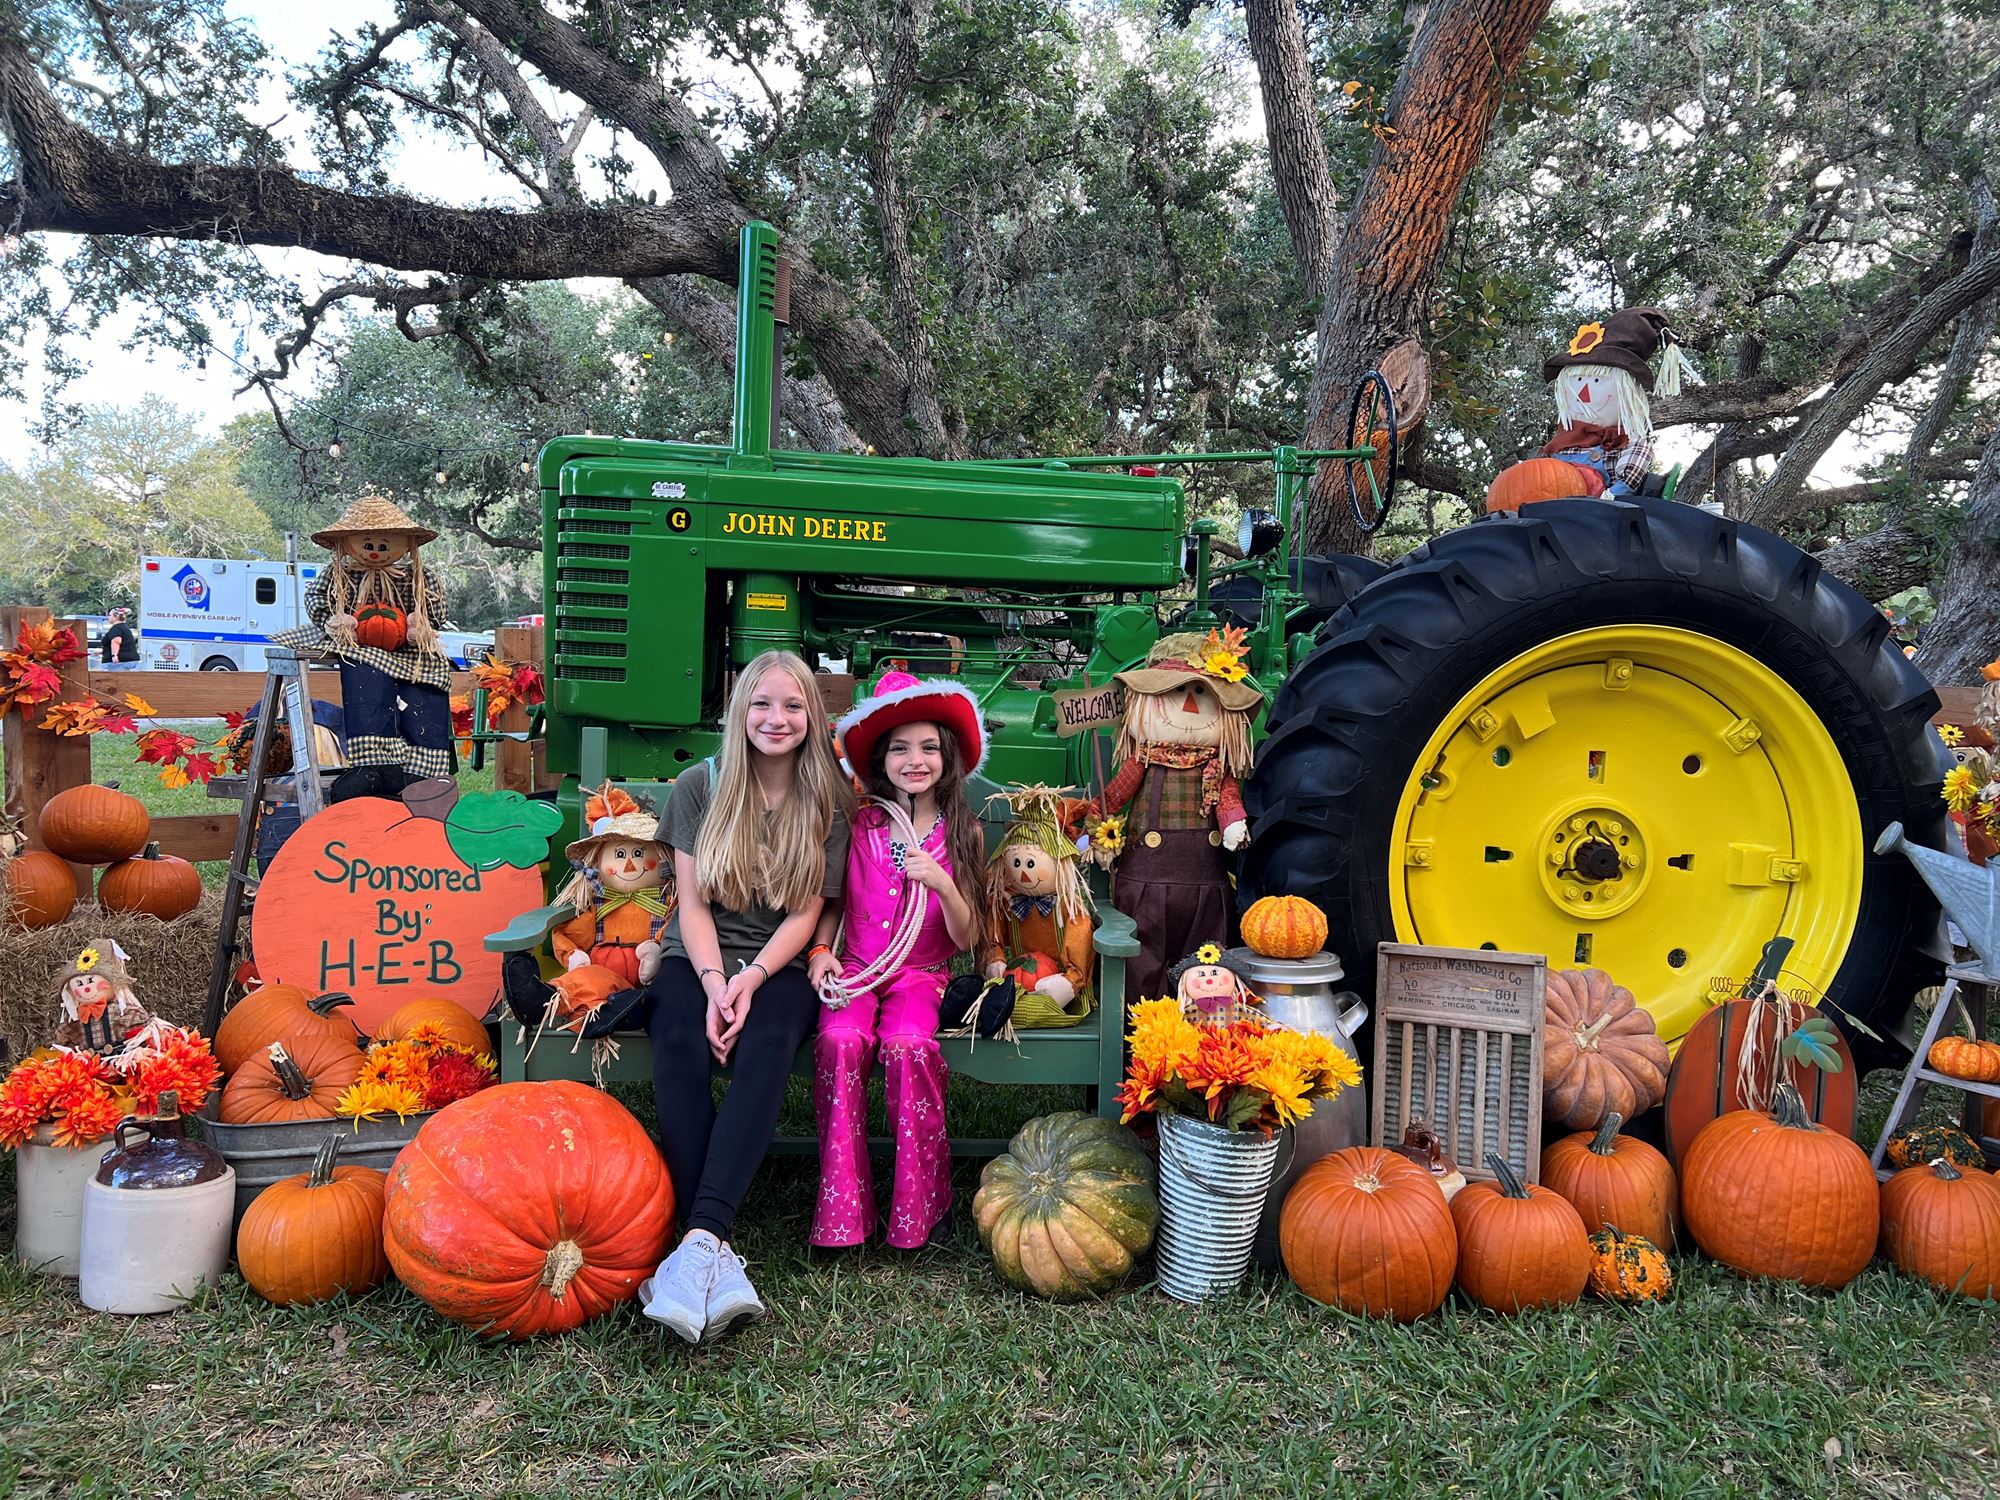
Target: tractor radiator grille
601	502
566	622
593	575
591	674
593	549
565	647
599	528
566	598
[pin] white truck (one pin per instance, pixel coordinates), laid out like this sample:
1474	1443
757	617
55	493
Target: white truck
216	614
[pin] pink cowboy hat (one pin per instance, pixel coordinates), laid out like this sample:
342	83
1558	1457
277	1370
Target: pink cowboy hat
901	699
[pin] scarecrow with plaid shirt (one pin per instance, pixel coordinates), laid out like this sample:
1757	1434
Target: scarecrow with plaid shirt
374	609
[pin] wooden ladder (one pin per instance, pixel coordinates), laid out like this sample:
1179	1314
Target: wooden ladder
1967	986
286	686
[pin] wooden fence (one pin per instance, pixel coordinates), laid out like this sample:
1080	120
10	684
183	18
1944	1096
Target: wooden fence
41	763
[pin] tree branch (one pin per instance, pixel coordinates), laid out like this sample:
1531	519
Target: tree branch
1292	127
1968	345
475	522
1885	561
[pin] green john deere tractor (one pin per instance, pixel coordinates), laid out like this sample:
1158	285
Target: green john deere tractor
1628	734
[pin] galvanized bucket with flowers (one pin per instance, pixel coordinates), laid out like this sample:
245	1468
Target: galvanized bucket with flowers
1222	1082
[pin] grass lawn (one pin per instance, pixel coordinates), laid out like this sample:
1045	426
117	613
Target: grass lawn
881	1373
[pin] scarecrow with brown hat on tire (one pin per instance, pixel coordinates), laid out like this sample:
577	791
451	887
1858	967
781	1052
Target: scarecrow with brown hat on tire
374	609
1182	750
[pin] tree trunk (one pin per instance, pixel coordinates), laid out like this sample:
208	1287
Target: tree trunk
1883	562
1292	127
1384	271
1966	633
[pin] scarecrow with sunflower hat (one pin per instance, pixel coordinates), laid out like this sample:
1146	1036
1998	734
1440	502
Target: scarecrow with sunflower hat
374	609
1604	384
1182	750
99	1008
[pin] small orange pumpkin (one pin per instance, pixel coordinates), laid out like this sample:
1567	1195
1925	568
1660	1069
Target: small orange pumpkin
307	1238
1284	927
301	1082
281	1013
1610	1178
41	889
1944	1225
460	1027
155	884
1518	1247
1534	479
381	625
94	825
1963	1057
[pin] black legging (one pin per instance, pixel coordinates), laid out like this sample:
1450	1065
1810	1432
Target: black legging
711	1156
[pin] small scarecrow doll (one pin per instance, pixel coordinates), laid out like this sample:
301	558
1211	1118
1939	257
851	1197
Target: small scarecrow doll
99	1009
1036	966
622	896
1182	750
1210	991
373	607
1604	385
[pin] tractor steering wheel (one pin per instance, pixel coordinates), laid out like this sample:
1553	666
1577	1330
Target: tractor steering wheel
1370	493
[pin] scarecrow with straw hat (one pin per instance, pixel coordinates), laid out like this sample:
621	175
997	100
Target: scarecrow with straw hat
622	897
373	608
1037	960
99	1008
1604	384
1182	750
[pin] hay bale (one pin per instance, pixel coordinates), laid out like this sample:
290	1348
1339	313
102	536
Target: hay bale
169	962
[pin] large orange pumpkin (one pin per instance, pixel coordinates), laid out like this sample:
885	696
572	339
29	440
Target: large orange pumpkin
1600	1052
1284	927
1535	479
448	1016
301	1081
1519	1247
158	885
41	889
1943	1225
528	1208
1610	1179
1366	1230
314	1236
1773	1194
281	1013
93	825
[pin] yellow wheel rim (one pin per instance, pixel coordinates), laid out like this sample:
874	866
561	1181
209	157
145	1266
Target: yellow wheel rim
1639	799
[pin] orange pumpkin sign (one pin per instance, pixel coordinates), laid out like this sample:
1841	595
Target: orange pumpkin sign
368	898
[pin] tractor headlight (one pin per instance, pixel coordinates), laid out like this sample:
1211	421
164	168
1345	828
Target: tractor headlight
1258	532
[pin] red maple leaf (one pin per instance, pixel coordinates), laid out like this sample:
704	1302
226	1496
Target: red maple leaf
200	767
162	747
35	683
117	721
233	720
66	648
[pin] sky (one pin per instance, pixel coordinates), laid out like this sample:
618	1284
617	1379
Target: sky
428	166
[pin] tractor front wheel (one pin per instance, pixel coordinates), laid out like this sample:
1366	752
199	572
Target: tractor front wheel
1626	734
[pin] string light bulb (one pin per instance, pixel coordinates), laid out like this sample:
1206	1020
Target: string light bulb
334	450
441	476
201	369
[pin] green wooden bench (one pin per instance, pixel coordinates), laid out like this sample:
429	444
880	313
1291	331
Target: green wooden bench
1091	1053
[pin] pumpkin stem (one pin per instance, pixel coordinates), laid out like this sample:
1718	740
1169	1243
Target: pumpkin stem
1510	1180
1586	1038
321	1005
322	1167
565	1260
290	1079
151	851
1945	1171
1607	1132
1788	1108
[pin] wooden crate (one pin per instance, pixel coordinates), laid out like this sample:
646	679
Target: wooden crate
1458	1043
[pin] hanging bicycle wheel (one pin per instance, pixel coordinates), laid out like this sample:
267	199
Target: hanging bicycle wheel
1371	424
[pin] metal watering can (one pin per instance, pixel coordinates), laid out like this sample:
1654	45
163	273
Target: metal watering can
1969	893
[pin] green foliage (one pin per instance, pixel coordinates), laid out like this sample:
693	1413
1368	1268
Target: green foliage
119	484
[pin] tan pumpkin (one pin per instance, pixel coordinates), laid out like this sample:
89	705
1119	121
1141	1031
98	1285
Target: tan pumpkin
301	1082
1284	927
41	889
307	1238
152	884
1600	1052
460	1027
94	825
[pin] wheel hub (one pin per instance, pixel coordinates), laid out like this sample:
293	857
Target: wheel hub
1593	861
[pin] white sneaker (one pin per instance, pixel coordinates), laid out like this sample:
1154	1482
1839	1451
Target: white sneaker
677	1294
732	1301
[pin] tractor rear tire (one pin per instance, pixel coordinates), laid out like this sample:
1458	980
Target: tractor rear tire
1327	582
1446	675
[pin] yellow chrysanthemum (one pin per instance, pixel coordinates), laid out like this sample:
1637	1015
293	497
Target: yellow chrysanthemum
1162	1035
1961	790
1951	734
367	1098
1288	1088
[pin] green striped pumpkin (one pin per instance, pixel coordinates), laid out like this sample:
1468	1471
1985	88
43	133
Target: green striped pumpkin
1068	1206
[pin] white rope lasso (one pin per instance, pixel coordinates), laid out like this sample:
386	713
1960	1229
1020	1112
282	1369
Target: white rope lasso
837	990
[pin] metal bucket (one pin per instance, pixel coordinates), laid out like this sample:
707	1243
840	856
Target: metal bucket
1212	1186
264	1154
1301	993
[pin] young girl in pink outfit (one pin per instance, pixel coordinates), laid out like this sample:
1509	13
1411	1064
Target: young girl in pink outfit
915	743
